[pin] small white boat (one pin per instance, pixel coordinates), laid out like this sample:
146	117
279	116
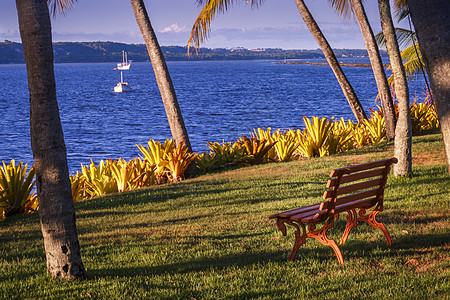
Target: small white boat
122	86
125	65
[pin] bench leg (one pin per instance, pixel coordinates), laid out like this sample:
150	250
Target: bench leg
301	235
351	223
321	236
375	224
353	219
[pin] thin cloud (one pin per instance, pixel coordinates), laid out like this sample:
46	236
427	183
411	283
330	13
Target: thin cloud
174	28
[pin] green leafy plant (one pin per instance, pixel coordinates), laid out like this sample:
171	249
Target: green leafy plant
122	172
78	186
360	136
178	161
156	154
256	149
340	138
98	180
228	154
317	131
376	127
16	189
143	174
285	146
261	134
305	147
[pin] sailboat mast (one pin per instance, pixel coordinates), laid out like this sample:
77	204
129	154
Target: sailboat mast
121	77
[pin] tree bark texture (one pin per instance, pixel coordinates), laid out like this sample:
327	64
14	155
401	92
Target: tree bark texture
346	87
56	210
403	129
432	23
377	67
162	75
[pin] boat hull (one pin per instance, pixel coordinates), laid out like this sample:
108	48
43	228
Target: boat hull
122	87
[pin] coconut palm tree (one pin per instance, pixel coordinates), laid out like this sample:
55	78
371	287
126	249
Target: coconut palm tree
163	79
403	130
162	75
407	41
377	67
411	56
56	210
432	25
201	28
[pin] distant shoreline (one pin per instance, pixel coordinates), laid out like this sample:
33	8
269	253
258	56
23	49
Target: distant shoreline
97	52
357	65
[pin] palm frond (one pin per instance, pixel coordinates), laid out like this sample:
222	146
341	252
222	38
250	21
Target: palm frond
412	62
413	68
401	10
60	6
342	7
405	38
202	25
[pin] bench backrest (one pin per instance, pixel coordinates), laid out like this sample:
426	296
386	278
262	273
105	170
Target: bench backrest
359	186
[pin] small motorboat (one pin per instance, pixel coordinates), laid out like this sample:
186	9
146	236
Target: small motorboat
125	64
122	86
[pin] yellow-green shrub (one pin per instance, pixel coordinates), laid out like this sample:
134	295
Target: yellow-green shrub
178	161
16	189
256	149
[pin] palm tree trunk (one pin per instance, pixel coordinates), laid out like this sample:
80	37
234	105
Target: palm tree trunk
377	67
432	23
346	87
403	130
162	75
56	210
165	85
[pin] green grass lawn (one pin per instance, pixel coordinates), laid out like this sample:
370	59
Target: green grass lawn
210	238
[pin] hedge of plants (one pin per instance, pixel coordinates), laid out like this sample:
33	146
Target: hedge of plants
161	163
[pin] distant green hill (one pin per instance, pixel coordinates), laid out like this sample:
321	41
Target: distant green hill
69	52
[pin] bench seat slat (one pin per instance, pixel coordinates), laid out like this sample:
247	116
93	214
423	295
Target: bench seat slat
353	188
356	196
288	213
366	166
356	176
313	214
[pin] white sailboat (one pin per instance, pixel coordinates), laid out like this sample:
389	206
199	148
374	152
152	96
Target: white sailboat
125	65
122	86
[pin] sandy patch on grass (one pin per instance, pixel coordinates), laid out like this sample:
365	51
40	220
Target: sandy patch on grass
428	158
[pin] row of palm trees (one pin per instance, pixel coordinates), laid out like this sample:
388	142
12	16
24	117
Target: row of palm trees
401	133
56	209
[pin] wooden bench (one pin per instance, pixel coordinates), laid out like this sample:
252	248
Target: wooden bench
359	187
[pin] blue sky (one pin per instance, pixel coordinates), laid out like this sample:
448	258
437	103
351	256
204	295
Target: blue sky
276	24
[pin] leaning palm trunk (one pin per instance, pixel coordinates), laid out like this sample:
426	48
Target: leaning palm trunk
377	67
162	75
346	87
56	210
165	85
403	130
432	24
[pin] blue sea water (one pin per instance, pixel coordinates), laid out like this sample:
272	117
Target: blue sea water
219	100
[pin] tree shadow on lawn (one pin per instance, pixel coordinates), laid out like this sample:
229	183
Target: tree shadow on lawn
403	246
194	265
217	196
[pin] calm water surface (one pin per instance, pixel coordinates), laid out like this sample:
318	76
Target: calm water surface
220	100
